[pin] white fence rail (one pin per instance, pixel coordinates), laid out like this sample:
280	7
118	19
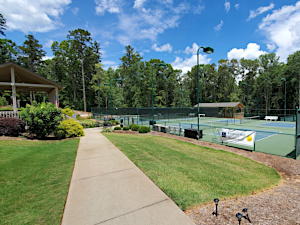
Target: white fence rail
9	114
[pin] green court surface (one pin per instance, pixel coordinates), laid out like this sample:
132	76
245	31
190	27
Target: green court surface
272	137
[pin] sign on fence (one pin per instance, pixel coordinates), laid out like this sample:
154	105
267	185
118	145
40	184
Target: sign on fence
239	137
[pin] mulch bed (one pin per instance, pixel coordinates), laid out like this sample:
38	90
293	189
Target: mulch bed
278	205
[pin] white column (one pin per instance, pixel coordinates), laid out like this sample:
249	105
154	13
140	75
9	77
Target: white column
13	88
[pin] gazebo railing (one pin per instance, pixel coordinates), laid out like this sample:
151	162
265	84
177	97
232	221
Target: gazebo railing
9	114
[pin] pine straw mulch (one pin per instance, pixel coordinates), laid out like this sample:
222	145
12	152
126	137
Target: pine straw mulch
278	205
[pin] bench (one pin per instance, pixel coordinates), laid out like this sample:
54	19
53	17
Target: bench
271	118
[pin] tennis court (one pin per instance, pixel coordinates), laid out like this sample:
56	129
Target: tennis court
272	137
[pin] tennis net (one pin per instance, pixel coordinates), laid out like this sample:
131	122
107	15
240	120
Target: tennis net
251	119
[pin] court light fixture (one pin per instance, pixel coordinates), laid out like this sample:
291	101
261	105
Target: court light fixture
117	79
284	80
207	50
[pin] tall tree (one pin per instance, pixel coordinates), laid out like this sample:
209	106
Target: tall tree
82	42
2	24
32	53
8	51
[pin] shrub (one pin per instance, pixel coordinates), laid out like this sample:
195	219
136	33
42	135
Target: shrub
130	126
107	130
11	126
89	125
135	127
3	101
42	118
125	128
117	128
6	108
144	129
68	111
69	128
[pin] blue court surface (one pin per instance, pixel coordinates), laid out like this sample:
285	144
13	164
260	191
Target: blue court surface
283	125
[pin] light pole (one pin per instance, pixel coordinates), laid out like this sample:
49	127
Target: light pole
118	79
152	65
247	95
99	101
207	50
284	80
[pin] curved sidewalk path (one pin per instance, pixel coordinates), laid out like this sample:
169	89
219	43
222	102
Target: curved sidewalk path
107	188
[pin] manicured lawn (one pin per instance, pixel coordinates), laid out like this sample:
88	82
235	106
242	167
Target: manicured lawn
191	174
34	180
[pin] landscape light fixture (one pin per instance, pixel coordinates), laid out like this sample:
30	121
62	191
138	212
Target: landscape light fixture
245	83
216	200
284	80
152	65
245	210
239	216
207	50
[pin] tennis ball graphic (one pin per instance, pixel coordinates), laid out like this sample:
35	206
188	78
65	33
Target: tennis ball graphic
249	138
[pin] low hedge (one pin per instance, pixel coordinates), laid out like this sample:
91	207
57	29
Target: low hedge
144	129
117	128
11	126
135	127
125	128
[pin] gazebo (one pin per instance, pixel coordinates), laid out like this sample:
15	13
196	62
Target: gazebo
20	80
231	109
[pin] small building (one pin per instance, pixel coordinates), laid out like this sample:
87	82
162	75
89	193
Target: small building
17	79
229	109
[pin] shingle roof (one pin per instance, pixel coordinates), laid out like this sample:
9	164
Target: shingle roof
221	105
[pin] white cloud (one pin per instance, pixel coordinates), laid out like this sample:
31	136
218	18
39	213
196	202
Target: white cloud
198	9
192	50
44	58
48	44
75	11
33	15
164	48
282	29
112	6
108	62
219	26
251	52
139	3
237	6
186	65
227	6
271	47
260	10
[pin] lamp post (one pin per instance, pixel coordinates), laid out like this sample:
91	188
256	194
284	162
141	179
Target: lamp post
207	50
152	65
245	83
284	80
118	79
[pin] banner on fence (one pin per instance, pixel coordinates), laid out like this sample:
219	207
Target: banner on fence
239	137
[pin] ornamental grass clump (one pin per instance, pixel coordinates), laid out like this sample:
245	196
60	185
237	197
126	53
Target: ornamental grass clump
41	118
135	127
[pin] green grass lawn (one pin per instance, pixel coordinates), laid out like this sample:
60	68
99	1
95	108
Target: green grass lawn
34	180
191	174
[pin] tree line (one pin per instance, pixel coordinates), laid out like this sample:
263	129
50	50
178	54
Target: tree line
76	65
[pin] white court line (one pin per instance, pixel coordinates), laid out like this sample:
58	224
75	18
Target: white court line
267	137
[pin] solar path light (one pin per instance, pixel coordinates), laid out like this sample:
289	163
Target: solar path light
207	50
152	65
239	216
246	216
216	202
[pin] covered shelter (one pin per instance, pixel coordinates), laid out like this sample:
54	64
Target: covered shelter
17	79
231	109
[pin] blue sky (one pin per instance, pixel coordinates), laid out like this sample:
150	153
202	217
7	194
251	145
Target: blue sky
169	30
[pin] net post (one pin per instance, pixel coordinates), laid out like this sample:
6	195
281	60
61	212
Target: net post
296	133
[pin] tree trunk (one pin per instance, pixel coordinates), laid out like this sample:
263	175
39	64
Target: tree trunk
83	83
74	90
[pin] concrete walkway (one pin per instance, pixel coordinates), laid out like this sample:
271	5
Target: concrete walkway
107	188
